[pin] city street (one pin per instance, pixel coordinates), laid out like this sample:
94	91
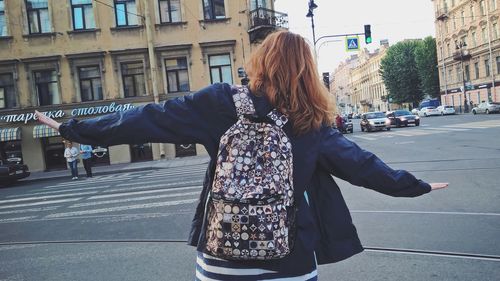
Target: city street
133	225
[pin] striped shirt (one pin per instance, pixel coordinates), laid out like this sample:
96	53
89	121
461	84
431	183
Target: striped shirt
209	268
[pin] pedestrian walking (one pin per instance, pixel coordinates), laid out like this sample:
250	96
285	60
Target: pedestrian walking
86	152
269	208
71	155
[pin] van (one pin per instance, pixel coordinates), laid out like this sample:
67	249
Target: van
432	102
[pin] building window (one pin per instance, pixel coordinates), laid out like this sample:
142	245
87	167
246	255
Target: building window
472	12
214	9
7	91
498	65
90	83
485	35
170	10
134	84
459	74
482	7
495	30
3	21
473	35
476	69
493	5
450	74
487	67
83	14
125	12
220	69
467	73
46	86
463	17
255	4
177	75
38	16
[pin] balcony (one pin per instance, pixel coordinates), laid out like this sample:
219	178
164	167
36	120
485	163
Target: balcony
442	14
263	21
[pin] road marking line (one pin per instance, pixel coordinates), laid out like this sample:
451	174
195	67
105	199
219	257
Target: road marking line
428	212
143	192
45	197
123	208
365	138
133	199
447	129
39	203
433	255
41	209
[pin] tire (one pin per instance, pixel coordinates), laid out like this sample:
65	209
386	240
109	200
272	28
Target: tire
425	114
362	129
442	113
351	130
417	124
398	124
487	111
388	128
474	112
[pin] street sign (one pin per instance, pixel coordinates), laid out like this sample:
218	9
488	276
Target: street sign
352	43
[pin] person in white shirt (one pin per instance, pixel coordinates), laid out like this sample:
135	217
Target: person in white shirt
71	154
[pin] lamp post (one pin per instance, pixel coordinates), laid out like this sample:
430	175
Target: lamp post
310	14
460	46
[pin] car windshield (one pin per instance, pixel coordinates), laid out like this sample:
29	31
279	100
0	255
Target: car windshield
374	115
402	113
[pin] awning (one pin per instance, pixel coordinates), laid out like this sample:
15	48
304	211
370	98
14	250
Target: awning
9	134
44	131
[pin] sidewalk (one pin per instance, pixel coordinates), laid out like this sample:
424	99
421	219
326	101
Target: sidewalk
121	168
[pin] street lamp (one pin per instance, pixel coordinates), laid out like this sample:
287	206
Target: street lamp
459	46
310	14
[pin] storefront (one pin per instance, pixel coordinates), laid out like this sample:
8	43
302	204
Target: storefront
42	148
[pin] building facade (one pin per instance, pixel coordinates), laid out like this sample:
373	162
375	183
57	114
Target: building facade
340	87
368	89
468	48
84	58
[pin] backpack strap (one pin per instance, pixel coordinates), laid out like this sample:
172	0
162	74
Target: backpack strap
244	106
242	101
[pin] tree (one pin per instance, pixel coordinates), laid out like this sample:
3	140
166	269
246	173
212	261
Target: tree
399	72
426	59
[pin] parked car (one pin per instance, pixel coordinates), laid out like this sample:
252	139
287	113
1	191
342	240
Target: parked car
12	170
374	121
400	118
415	111
428	111
446	109
348	127
487	107
429	103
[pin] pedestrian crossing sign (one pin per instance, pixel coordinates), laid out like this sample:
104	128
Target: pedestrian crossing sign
352	43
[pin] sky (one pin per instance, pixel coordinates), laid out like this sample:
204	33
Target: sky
394	20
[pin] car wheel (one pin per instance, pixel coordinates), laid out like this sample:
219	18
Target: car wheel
487	111
388	128
351	130
442	113
417	123
425	114
474	112
398	124
362	129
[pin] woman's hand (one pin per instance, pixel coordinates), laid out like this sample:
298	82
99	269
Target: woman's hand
438	185
47	120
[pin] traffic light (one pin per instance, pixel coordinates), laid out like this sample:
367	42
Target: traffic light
368	34
326	80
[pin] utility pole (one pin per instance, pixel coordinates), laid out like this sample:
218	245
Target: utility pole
152	59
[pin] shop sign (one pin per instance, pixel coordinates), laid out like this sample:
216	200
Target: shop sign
113	107
55	114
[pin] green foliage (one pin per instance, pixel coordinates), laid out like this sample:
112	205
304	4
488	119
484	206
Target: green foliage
426	59
399	72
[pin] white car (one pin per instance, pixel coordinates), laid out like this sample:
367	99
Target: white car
428	111
446	109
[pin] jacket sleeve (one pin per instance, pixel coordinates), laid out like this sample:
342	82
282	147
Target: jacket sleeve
346	160
189	119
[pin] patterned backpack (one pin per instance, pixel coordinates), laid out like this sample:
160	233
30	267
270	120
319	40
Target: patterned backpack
250	209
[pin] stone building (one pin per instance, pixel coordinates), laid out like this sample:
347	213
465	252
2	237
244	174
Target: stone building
84	58
468	48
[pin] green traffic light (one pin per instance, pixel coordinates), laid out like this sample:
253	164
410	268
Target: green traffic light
368	40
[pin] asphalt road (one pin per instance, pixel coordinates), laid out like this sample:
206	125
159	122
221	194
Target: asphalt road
131	226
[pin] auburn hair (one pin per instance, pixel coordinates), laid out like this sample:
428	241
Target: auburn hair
283	69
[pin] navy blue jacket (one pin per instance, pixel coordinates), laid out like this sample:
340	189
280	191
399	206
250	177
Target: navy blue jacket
324	225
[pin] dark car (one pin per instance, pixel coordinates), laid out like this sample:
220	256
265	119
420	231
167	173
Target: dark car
12	170
348	127
401	118
374	121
